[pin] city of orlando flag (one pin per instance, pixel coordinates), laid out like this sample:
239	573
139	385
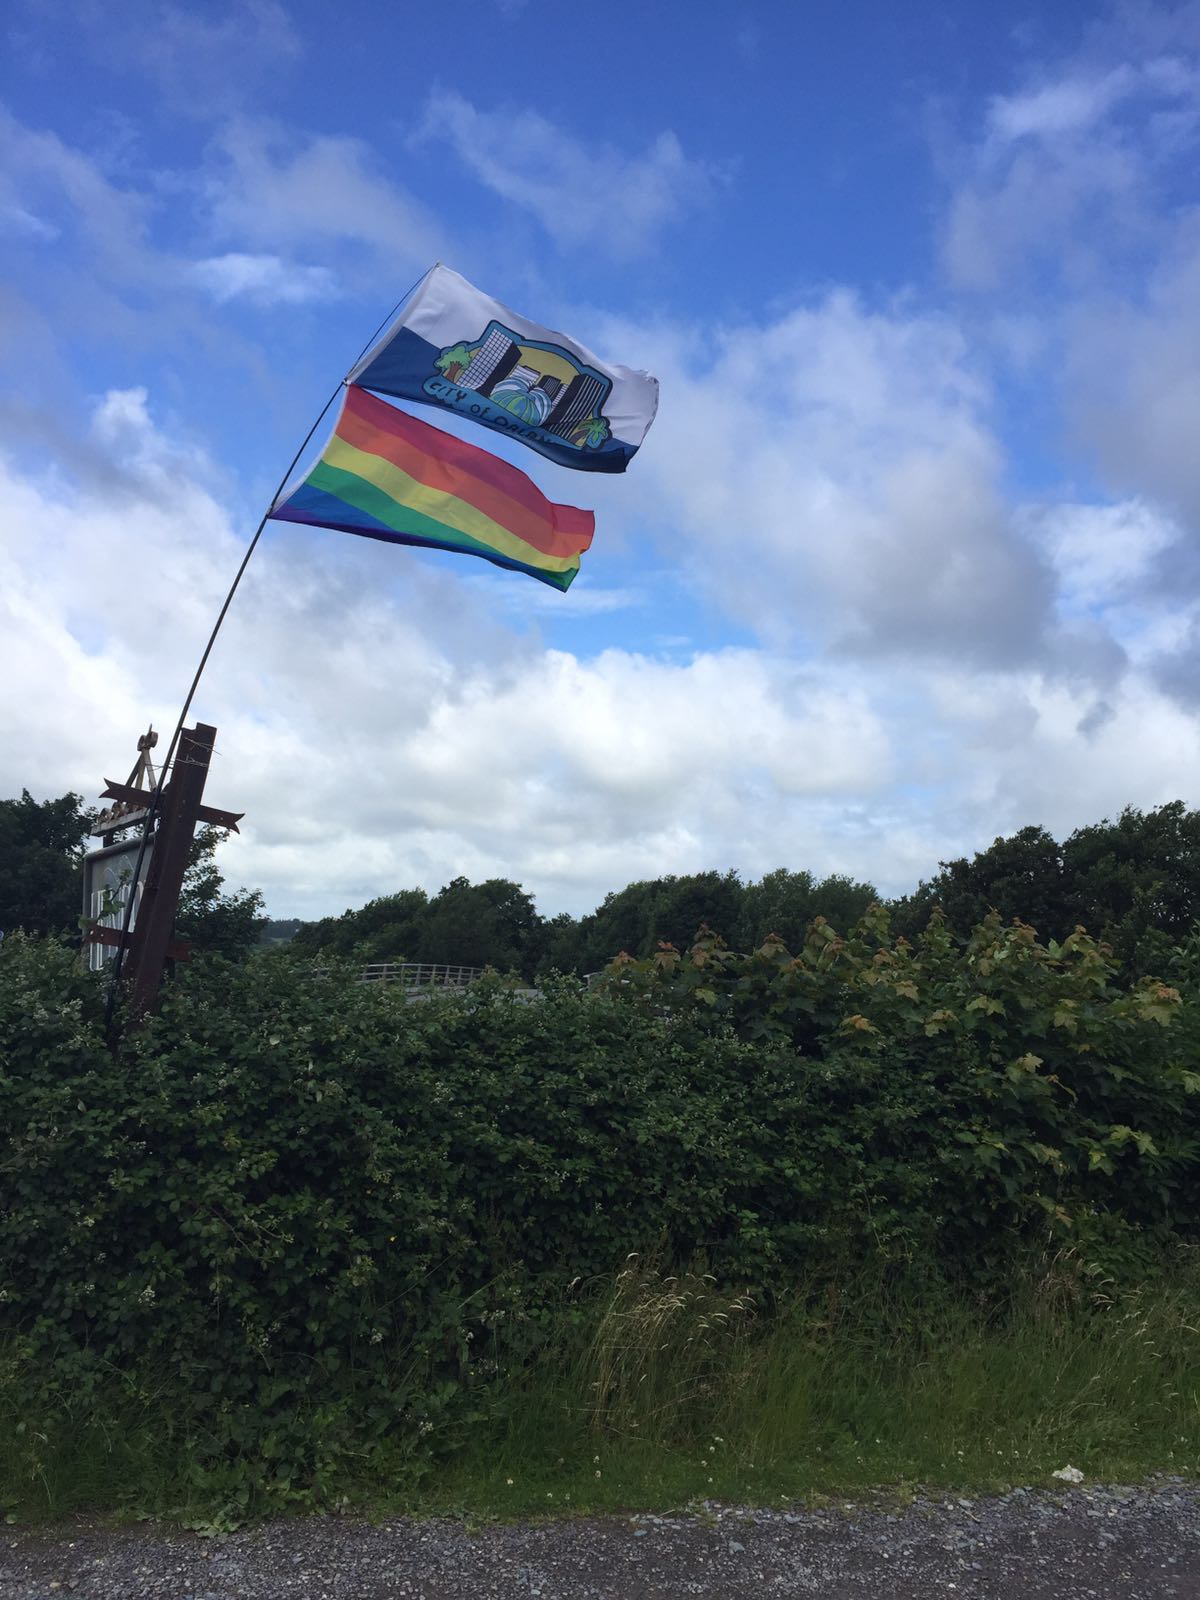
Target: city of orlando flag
455	347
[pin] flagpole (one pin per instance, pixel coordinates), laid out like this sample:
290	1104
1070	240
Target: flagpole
165	765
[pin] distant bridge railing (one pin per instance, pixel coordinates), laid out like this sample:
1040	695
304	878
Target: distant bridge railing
421	974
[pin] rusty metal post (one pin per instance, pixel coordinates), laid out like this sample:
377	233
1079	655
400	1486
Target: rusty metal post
180	808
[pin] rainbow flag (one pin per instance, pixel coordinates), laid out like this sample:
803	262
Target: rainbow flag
386	475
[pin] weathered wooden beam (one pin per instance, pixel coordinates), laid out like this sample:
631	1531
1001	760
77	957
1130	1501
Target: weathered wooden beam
140	797
177	950
179	812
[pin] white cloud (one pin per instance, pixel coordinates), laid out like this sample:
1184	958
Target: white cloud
466	745
269	186
1066	106
834	480
1073	210
1133	374
264	280
17	222
586	599
1103	553
274	219
201	59
581	194
1062	210
1037	752
261	190
204	51
379	739
1068	178
49	183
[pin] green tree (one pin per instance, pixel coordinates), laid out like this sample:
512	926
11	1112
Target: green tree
594	432
390	928
458	355
558	945
687	903
216	922
314	938
1136	881
1021	876
785	903
667	910
42	845
491	924
622	921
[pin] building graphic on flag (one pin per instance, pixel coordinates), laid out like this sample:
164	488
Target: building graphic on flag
541	385
458	349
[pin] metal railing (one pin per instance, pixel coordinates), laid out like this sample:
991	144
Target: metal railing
421	974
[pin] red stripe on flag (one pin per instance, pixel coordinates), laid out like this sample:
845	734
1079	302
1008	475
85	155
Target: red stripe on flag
450	465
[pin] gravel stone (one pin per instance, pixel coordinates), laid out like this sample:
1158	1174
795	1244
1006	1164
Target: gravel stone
1089	1543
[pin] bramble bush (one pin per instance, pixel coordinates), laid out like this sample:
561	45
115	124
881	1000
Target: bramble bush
989	1088
326	1216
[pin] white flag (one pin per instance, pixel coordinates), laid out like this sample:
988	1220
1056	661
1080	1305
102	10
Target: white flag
457	348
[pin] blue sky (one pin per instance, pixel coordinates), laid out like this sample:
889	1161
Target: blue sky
908	560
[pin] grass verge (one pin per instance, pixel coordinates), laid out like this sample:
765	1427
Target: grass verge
668	1392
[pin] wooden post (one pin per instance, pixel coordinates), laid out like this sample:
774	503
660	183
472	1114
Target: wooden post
180	809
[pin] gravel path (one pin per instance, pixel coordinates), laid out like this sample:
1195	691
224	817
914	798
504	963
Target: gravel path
1083	1544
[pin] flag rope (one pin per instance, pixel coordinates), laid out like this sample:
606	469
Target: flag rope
165	766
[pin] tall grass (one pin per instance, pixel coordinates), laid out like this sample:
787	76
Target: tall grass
664	1390
677	1393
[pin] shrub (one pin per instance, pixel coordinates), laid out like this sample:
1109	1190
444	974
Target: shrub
324	1214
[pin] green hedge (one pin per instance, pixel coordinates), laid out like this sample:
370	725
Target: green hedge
302	1199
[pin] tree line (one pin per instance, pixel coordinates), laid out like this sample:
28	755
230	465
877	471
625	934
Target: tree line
1134	882
497	924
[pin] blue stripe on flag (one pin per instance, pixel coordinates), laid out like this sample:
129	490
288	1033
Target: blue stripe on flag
314	508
